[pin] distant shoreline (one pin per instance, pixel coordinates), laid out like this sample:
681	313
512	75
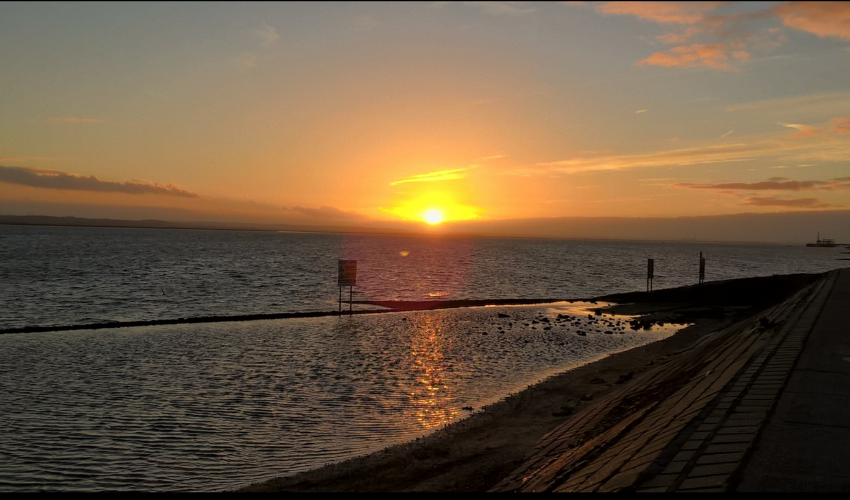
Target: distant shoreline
69	221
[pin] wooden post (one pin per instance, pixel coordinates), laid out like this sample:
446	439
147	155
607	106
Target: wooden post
701	268
340	300
350	293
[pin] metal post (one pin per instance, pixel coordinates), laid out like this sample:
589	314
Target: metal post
650	273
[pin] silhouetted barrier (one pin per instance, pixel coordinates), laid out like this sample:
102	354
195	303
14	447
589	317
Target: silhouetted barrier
650	274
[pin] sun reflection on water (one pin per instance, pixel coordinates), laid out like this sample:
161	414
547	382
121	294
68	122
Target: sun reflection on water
431	397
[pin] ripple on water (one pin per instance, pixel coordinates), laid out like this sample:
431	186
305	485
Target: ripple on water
211	407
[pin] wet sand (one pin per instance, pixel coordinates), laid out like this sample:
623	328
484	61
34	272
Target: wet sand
474	454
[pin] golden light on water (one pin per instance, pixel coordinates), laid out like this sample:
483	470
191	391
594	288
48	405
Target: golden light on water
432	396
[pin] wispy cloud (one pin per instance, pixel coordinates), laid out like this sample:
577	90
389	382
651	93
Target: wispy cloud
838	126
72	119
505	8
775	184
268	35
727	134
440	175
488	158
641	111
676	157
325	212
711	55
51	179
246	61
771	201
765	147
802	130
796	102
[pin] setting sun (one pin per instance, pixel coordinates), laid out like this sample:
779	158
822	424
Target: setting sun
433	206
433	216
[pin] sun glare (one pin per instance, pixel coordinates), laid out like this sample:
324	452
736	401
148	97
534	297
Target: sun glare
433	216
433	208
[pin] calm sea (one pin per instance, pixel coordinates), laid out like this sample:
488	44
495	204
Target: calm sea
209	407
67	275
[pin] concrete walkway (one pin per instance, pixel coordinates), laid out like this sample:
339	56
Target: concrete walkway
805	446
740	410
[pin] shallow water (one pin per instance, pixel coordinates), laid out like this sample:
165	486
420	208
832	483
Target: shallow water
213	407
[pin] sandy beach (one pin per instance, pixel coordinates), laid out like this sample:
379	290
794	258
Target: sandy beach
476	453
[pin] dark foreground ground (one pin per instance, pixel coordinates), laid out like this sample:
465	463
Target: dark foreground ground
538	439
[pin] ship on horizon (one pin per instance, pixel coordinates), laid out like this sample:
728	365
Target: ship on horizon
826	242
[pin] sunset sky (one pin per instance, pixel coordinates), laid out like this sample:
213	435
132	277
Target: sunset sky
357	113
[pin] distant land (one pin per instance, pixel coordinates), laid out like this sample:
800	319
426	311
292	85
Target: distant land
780	228
48	220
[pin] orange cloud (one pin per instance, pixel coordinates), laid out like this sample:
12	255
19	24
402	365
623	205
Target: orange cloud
699	19
803	130
824	19
710	55
841	125
440	175
661	12
741	55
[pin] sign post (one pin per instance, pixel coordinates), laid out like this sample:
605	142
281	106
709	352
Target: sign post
650	273
347	276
